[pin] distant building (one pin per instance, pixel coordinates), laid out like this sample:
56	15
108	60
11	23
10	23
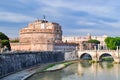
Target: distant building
102	44
81	40
65	46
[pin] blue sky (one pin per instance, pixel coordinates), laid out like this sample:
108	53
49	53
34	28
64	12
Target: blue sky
77	17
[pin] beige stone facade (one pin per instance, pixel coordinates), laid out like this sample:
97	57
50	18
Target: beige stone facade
82	39
39	35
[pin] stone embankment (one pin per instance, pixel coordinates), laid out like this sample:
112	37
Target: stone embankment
24	74
13	62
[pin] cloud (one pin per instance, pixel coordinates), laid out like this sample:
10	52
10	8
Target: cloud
80	5
86	23
115	24
49	11
98	23
95	16
83	32
14	17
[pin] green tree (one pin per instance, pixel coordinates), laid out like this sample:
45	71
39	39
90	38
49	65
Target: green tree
4	41
112	42
93	41
3	36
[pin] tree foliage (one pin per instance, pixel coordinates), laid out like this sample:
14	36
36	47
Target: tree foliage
4	41
14	41
3	36
93	41
90	44
112	42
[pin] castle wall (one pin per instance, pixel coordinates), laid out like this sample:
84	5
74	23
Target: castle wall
20	47
32	47
39	35
36	37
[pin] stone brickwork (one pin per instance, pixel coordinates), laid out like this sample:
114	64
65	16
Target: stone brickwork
96	54
39	35
12	62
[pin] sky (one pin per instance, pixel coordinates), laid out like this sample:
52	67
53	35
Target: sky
77	17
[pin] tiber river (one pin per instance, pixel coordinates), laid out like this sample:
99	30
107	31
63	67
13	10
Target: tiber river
83	71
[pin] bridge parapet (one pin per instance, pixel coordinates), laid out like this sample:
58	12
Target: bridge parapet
99	50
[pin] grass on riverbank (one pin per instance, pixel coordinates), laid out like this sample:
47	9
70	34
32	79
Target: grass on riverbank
55	64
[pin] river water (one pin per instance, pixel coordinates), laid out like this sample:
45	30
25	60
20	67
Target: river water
83	71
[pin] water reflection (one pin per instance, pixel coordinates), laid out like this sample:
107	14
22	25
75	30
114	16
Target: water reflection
83	71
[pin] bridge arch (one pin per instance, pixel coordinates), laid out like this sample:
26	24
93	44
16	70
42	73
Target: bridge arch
104	56
86	56
96	55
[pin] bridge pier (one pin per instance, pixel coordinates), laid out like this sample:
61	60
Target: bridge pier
117	60
95	59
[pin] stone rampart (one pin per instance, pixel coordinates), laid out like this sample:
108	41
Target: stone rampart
71	55
13	62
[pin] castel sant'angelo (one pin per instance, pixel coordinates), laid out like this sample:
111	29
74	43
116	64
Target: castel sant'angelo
39	35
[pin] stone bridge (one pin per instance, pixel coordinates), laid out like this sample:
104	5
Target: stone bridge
96	54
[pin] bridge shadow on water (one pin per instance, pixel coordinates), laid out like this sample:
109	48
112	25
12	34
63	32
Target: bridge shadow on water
106	57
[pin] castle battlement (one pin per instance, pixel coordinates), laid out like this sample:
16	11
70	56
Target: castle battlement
24	31
41	26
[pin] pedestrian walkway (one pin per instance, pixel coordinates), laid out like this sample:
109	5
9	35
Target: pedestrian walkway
23	74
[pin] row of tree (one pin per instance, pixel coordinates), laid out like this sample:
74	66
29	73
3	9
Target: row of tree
93	41
112	42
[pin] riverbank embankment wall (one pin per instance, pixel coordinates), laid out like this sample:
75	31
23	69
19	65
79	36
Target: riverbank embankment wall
13	62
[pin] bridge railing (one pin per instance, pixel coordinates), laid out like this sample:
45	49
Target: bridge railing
98	50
